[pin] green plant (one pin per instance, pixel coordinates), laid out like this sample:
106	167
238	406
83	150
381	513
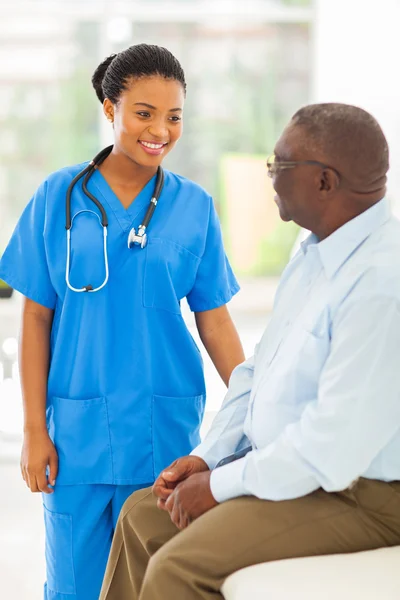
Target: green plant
276	248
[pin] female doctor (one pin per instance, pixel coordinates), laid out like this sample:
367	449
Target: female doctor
112	380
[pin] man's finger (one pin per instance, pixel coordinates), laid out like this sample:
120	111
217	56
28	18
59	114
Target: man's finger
161	504
177	471
175	514
183	521
163	493
169	503
174	474
161	489
158	483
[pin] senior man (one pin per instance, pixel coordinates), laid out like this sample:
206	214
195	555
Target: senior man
313	418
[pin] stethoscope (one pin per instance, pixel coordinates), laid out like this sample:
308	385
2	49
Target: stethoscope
134	239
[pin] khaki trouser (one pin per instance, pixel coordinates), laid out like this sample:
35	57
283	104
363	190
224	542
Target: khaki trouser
152	560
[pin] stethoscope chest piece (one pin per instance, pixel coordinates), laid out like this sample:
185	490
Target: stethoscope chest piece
137	239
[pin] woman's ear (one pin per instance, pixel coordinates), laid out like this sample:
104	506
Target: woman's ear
108	109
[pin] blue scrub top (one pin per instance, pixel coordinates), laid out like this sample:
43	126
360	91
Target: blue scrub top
126	390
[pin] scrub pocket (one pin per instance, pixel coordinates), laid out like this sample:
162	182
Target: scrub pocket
169	275
59	560
81	435
176	428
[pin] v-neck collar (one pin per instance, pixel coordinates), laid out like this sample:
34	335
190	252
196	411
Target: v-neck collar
124	216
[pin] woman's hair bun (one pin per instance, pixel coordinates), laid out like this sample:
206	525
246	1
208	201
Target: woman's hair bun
98	76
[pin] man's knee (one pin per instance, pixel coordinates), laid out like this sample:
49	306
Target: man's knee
134	504
173	567
164	564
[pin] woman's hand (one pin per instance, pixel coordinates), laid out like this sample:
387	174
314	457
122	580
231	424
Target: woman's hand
38	453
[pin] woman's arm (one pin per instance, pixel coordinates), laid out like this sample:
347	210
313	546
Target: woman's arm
34	362
38	452
221	340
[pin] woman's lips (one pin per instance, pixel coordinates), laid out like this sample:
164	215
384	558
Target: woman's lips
152	147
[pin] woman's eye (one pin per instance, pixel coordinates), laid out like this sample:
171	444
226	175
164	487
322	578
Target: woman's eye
143	113
176	119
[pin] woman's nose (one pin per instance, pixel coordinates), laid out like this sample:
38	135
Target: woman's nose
159	130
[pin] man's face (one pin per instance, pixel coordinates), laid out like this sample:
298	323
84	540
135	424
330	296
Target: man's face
296	187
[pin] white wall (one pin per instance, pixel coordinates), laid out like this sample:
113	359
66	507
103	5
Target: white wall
357	61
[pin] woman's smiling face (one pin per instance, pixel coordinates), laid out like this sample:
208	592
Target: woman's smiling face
147	119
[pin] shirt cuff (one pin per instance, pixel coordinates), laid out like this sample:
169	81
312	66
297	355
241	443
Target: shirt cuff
197	452
227	482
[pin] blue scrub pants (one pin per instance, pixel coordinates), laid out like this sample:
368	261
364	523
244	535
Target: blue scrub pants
80	522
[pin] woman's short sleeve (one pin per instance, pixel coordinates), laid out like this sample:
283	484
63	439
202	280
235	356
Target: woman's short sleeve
24	263
215	282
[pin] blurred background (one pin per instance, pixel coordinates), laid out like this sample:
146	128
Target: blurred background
249	66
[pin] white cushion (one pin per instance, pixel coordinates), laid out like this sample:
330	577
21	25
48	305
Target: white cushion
371	575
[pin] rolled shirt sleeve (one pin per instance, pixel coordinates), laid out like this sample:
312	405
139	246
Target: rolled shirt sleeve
226	434
340	433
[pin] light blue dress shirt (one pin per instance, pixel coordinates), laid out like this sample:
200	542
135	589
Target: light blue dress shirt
320	400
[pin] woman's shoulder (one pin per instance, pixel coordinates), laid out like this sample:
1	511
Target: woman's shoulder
65	174
54	186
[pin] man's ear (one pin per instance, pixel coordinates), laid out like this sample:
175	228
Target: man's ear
329	181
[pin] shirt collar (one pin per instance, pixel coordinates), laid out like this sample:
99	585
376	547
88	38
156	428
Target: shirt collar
336	249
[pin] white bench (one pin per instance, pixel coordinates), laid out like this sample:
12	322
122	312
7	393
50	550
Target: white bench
371	575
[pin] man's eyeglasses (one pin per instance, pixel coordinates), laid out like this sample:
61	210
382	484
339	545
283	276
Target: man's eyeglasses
275	166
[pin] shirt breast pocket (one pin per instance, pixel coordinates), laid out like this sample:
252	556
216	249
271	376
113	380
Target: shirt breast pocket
312	355
169	275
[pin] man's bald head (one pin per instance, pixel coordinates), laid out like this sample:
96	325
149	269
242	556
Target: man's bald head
349	139
330	166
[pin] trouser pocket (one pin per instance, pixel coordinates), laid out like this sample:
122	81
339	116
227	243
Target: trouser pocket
59	559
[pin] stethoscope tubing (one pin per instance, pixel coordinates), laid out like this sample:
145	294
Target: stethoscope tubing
87	173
